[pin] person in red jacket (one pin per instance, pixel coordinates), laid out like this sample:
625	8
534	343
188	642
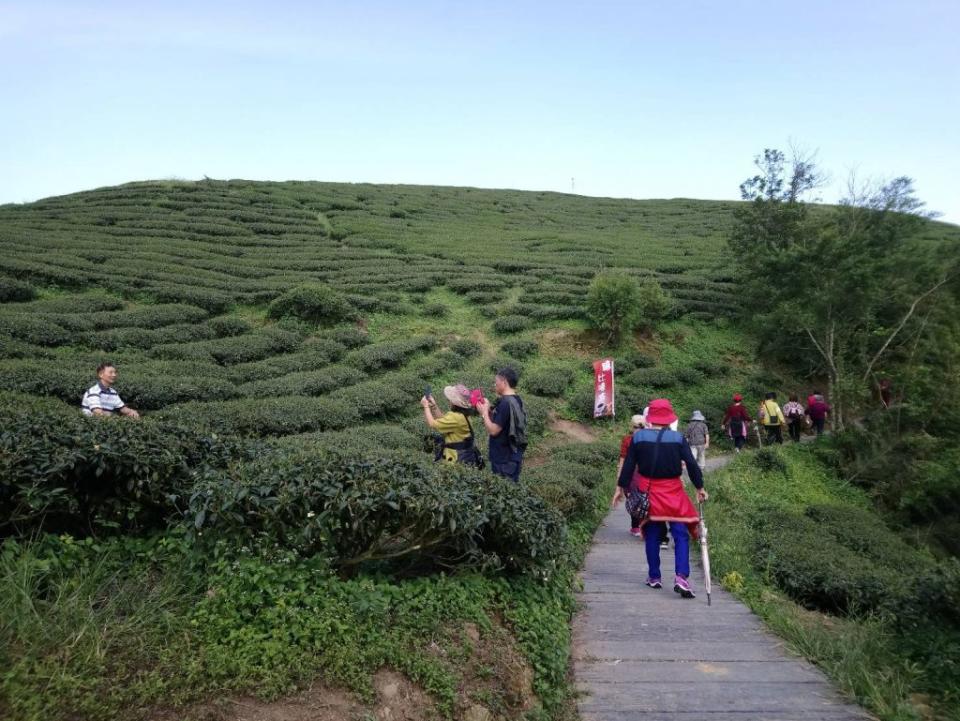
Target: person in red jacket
735	420
818	412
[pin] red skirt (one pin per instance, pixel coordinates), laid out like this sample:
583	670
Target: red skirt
669	502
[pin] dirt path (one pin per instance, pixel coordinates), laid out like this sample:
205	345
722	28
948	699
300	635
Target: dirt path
647	654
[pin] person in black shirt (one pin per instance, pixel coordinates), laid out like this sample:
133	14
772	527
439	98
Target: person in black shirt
506	425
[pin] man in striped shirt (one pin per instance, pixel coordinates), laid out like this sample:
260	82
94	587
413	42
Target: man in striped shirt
101	399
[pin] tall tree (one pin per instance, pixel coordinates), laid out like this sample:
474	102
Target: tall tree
836	289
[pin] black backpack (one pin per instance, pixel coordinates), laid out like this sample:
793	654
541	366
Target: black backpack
518	424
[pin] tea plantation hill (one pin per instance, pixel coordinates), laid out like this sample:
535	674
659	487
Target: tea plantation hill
235	540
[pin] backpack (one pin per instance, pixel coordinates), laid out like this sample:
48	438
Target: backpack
518	424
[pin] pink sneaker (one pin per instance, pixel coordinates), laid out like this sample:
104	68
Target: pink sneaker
681	586
636	532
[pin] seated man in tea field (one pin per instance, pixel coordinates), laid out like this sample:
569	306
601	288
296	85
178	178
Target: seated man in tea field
101	399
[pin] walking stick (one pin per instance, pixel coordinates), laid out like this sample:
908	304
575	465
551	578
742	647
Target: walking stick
756	427
704	553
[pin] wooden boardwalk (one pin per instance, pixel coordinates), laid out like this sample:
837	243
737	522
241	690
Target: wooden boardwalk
646	654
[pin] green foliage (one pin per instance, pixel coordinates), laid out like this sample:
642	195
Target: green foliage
551	381
467	348
511	324
15	291
520	348
414	514
63	472
388	355
350	336
435	310
613	303
653	303
315	303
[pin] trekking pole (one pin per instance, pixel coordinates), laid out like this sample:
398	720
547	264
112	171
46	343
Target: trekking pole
756	427
704	553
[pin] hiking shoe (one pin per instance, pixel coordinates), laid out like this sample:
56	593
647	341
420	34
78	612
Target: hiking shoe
664	543
636	532
654	583
681	586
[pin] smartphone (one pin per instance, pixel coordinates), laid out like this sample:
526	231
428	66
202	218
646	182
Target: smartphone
427	392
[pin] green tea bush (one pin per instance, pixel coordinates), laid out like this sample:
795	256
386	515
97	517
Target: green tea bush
15	291
306	383
633	360
467	348
350	336
379	398
596	455
520	348
501	361
364	439
435	310
315	353
77	303
570	498
279	416
552	381
34	329
658	378
392	354
210	300
415	515
315	303
511	324
66	473
154	316
231	351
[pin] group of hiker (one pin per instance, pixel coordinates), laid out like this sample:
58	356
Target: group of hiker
793	415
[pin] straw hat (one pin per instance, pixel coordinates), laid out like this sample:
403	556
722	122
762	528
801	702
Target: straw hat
660	412
636	421
458	395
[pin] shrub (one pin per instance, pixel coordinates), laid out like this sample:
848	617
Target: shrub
231	351
389	355
633	360
34	329
61	472
520	348
435	310
210	300
280	416
316	353
552	381
314	303
307	383
511	324
15	291
414	514
467	348
570	498
504	362
350	336
653	303
597	455
152	316
613	303
658	378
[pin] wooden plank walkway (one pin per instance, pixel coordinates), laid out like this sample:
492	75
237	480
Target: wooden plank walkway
641	653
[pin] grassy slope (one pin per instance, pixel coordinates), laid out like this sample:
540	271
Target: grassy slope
398	251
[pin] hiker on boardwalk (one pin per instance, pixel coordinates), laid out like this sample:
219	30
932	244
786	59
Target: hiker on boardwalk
698	436
101	399
455	442
735	420
506	423
771	416
818	411
794	412
654	465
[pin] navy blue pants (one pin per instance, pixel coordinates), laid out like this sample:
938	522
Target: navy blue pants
681	547
507	469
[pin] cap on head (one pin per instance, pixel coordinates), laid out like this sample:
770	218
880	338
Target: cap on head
636	421
737	397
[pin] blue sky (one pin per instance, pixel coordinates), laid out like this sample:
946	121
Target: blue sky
630	99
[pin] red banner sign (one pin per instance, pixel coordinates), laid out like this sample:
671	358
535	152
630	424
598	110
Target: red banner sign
603	397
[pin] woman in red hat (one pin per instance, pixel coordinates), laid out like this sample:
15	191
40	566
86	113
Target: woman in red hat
735	420
654	463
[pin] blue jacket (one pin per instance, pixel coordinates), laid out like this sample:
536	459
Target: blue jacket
673	449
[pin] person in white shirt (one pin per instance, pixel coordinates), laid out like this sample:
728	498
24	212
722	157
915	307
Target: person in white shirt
101	399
